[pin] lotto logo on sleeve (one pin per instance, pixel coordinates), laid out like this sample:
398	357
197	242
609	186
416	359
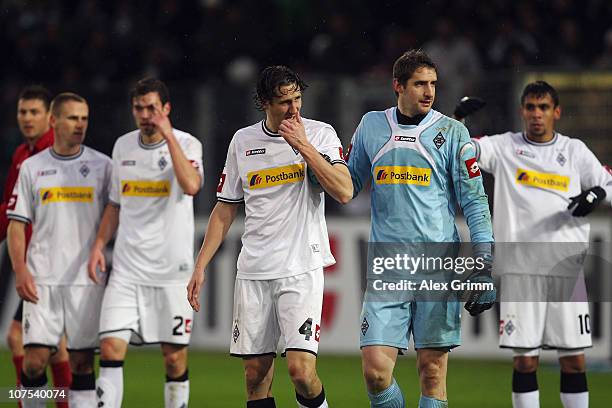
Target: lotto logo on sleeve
402	175
142	188
66	194
472	167
293	173
221	183
542	180
12	202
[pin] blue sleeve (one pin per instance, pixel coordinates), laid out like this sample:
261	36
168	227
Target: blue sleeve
358	160
469	190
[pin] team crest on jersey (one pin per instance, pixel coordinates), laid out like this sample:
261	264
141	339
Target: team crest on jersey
293	173
546	181
472	167
47	172
235	332
561	159
66	194
162	162
253	152
404	138
364	326
402	175
525	153
509	328
439	140
84	170
141	188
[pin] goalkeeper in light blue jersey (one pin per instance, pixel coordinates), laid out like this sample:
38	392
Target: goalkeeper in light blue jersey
422	167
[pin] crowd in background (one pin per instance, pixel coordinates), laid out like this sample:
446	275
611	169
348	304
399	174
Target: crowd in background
106	41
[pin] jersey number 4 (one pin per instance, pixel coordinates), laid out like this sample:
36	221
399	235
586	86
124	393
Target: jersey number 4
306	328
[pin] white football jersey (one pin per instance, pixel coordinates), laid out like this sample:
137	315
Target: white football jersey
155	238
63	197
534	183
285	232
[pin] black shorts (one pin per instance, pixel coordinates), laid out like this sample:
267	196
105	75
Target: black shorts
19	312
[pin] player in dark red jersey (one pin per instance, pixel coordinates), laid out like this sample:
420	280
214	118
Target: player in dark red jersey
33	119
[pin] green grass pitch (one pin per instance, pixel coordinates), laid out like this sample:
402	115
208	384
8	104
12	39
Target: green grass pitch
216	381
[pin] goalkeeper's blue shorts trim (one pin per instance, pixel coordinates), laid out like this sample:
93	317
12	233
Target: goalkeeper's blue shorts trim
431	324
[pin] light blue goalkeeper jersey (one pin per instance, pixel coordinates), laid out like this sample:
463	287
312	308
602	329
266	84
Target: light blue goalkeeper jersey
420	175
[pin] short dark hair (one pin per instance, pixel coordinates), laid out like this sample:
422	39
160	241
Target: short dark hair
270	81
147	85
36	92
540	89
61	99
410	61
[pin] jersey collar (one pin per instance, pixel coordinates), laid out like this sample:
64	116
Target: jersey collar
531	142
423	120
62	157
268	131
150	146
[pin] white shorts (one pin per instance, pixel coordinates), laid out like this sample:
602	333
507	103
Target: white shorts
549	325
266	309
142	314
536	313
73	310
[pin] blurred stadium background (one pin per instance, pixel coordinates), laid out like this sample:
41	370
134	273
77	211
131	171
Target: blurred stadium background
210	51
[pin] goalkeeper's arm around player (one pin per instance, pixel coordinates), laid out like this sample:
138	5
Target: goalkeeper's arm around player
219	223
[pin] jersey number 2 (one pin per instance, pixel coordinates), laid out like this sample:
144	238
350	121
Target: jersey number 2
183	326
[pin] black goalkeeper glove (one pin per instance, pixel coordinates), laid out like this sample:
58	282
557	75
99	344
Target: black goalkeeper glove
480	300
585	202
468	105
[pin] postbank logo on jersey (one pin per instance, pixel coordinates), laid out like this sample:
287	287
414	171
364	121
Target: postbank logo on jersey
66	194
293	173
145	188
542	180
402	175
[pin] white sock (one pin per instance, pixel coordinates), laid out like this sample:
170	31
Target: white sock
176	394
31	402
82	399
575	399
526	399
109	388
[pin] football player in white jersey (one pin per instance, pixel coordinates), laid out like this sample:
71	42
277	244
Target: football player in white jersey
278	168
62	192
156	171
545	183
